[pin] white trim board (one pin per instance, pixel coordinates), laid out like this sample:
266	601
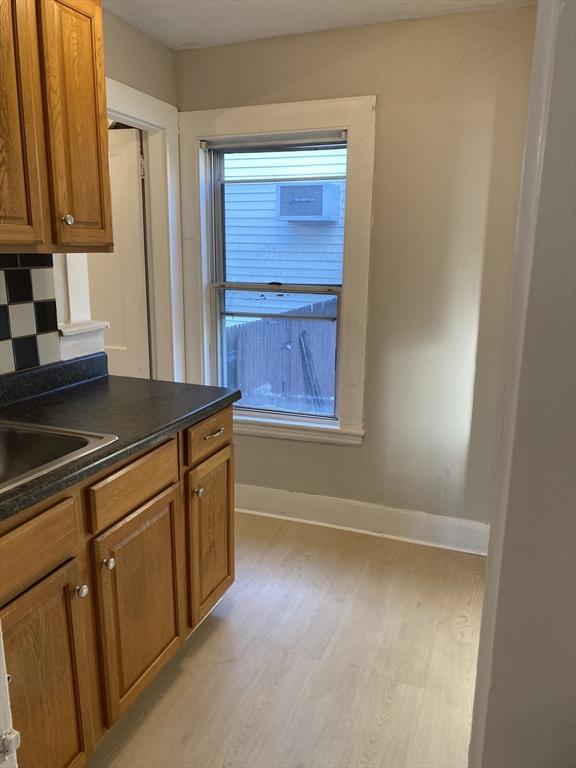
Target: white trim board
159	121
363	517
293	429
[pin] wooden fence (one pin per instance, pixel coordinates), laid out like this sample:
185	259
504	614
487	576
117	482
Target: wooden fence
283	363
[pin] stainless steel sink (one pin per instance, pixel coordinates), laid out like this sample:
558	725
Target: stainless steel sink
26	452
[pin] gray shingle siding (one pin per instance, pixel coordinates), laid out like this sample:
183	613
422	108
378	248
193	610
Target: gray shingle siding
260	247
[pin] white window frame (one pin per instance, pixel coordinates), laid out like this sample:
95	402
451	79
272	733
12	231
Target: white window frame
357	117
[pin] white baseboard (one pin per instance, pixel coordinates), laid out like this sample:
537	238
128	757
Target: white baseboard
363	517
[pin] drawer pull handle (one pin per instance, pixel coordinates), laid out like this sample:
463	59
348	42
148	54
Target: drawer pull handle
68	219
109	563
217	433
82	590
198	492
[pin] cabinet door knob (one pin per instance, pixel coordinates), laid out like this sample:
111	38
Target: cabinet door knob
109	563
198	492
68	219
82	590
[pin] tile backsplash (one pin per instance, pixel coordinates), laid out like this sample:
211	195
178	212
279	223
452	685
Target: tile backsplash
28	323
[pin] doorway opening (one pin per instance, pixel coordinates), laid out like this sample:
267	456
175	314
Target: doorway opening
120	281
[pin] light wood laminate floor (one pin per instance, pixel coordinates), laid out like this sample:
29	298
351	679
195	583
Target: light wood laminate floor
332	649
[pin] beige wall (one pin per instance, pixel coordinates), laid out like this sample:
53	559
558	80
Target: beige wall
134	59
525	711
452	96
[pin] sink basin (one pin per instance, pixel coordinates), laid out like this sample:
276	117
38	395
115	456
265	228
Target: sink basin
26	452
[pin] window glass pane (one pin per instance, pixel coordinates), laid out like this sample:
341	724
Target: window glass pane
282	363
283	216
272	303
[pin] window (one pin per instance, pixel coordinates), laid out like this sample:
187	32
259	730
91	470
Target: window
276	222
279	216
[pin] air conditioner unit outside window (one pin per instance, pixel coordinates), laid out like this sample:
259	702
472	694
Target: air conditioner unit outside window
308	202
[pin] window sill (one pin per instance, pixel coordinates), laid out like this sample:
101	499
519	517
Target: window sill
296	430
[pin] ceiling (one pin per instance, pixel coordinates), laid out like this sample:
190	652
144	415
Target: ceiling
181	24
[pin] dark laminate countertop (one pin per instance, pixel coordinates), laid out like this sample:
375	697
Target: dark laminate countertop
141	412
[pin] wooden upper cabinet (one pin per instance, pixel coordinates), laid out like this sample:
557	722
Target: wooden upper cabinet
54	177
76	121
24	202
45	657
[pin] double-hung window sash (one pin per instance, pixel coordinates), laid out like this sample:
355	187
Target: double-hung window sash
277	266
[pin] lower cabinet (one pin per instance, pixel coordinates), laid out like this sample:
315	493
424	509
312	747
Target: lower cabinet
123	568
136	567
210	511
44	648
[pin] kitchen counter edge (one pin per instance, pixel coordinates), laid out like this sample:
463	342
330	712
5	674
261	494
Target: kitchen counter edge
43	487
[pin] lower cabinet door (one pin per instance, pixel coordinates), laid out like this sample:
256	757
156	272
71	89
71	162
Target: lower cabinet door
46	663
210	521
136	563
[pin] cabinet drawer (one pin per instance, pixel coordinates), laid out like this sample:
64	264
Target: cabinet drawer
34	549
207	437
134	484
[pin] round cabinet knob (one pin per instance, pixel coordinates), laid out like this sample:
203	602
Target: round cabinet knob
110	563
82	590
68	219
198	492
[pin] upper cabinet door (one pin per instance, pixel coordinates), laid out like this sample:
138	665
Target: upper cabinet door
24	211
77	122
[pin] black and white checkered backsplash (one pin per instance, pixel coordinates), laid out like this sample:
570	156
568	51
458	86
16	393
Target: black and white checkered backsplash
28	324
